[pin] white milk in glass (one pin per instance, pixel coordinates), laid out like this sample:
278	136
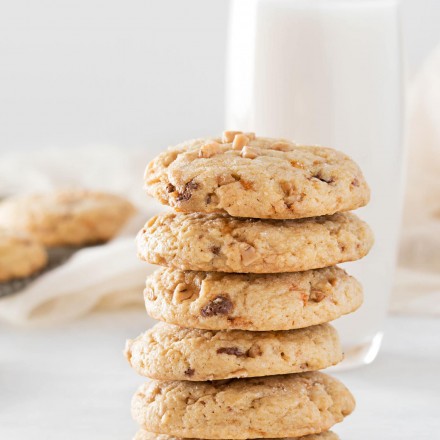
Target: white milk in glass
329	72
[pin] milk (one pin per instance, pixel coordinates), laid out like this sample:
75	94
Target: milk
329	72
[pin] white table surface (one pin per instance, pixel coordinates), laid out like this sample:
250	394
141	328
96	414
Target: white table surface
72	382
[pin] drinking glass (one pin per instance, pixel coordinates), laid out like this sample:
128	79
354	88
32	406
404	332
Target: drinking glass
329	72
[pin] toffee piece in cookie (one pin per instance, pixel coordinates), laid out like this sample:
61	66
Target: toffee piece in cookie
169	352
20	255
218	242
226	301
67	217
292	405
247	176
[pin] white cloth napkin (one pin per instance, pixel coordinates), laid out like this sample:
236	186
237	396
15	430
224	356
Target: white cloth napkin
417	287
106	276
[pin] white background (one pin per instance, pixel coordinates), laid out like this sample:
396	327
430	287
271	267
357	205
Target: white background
130	73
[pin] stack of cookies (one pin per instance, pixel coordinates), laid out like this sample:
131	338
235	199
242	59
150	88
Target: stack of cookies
248	287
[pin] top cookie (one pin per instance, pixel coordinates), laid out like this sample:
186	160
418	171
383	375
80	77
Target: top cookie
247	176
68	217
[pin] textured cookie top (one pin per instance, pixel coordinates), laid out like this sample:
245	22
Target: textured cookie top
223	301
67	217
145	435
217	242
169	352
248	176
270	407
20	255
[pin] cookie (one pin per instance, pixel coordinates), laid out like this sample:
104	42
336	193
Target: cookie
276	406
20	255
169	352
145	435
56	256
217	242
226	301
68	217
247	176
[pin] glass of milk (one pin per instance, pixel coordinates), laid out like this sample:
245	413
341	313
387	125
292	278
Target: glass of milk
329	72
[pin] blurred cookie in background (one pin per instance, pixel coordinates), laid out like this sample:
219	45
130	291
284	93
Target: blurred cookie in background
20	255
67	217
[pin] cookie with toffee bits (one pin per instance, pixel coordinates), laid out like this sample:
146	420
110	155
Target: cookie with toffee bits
227	301
218	242
291	405
145	435
247	176
169	352
74	217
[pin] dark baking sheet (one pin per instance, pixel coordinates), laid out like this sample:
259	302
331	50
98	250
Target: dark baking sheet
56	257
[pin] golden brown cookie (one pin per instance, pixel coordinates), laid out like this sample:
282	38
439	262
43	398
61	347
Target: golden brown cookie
227	301
145	435
169	352
20	255
247	176
67	217
216	242
266	407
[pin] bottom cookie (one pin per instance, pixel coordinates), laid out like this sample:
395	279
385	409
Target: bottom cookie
145	435
291	405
